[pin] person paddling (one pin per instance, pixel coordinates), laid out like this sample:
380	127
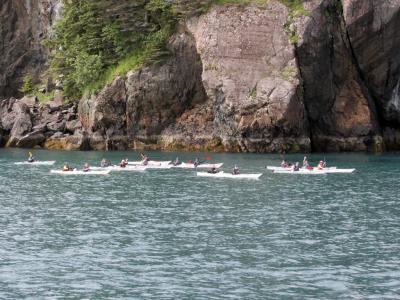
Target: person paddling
86	167
177	162
321	165
284	164
196	162
235	170
213	170
66	167
305	162
104	163
123	163
296	167
31	158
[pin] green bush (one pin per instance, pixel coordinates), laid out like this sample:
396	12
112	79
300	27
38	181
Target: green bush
89	46
27	85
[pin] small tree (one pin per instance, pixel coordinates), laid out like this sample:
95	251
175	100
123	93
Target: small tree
87	69
27	85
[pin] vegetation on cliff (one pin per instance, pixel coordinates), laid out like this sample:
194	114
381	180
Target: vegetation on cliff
90	45
94	41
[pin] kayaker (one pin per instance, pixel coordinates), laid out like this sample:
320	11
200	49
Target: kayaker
305	162
321	165
86	167
123	163
213	170
235	170
196	162
176	162
104	163
284	164
296	167
66	167
31	158
145	160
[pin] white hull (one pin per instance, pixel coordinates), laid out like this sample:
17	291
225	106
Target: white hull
36	163
300	172
119	169
315	171
150	163
340	171
229	175
80	172
160	167
203	166
272	168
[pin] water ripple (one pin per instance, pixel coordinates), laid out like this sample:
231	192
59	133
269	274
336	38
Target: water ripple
171	235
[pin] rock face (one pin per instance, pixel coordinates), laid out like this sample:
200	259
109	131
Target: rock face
238	78
199	98
24	25
27	123
135	112
251	78
372	28
341	110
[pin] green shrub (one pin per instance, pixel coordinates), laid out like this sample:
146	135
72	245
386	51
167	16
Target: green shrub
27	85
89	46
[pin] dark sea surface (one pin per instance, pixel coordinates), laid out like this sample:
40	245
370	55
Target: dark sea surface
167	234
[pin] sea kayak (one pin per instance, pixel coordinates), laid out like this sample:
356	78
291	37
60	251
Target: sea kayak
37	163
150	163
301	172
203	166
272	168
118	168
314	171
80	172
222	174
161	167
339	171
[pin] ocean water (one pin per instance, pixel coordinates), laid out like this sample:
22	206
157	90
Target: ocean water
167	234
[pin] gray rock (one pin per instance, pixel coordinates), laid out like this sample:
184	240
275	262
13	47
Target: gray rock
72	125
21	126
373	30
106	109
31	140
24	25
56	126
57	135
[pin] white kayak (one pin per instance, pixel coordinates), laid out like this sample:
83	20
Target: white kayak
222	174
203	166
314	171
300	172
80	172
161	167
150	163
272	168
118	168
37	163
339	171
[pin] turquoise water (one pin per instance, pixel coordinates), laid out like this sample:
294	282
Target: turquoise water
166	234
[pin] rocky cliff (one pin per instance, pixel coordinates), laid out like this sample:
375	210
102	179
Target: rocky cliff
241	78
23	27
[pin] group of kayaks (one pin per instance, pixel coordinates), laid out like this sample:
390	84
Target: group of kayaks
210	169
